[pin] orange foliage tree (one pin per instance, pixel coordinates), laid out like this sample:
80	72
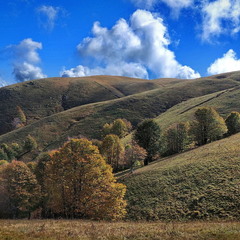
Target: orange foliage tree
80	183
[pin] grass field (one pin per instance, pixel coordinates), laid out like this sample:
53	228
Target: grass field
203	183
88	230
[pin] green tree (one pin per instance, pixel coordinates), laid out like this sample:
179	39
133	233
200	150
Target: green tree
30	144
177	138
148	136
22	188
3	155
9	151
81	184
233	123
112	149
209	125
119	127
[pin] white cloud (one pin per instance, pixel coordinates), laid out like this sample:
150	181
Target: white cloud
26	71
26	59
121	69
227	63
174	4
220	16
2	83
130	49
48	15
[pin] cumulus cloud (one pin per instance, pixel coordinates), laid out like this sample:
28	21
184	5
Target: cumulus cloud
174	4
121	69
26	58
48	16
133	49
220	16
227	63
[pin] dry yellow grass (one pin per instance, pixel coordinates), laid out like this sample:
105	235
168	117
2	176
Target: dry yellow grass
88	230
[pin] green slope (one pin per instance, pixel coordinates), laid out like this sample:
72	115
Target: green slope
44	97
88	119
199	184
224	102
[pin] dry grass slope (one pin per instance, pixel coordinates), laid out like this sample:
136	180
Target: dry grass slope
199	184
88	119
87	230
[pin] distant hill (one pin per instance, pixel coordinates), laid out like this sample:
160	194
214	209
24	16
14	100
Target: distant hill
145	99
199	184
44	97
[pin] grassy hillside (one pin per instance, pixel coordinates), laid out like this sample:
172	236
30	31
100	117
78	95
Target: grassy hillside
44	97
224	102
87	230
199	184
88	119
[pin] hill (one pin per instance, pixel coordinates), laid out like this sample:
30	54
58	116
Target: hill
88	119
44	97
224	102
201	184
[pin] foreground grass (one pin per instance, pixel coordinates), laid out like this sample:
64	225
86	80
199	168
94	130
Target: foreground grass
87	230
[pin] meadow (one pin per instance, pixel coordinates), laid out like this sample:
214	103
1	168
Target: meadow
89	230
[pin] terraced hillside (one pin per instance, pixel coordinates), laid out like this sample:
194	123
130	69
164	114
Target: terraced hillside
88	119
199	184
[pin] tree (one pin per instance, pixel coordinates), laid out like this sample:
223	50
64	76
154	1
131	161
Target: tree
177	138
30	143
112	150
22	188
134	155
119	127
209	125
21	115
9	151
81	184
233	123
148	135
40	171
3	155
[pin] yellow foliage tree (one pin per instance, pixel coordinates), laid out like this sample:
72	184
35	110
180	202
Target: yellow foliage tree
80	183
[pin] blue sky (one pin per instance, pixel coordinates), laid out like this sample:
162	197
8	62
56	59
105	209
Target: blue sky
136	38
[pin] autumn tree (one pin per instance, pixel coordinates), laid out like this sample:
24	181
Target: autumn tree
3	155
177	138
21	188
21	115
112	149
81	184
40	171
233	123
134	155
148	136
119	127
9	151
208	125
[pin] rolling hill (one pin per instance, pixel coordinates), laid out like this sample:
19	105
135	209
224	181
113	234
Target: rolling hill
88	119
199	184
44	97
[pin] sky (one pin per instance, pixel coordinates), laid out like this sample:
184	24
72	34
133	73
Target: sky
136	38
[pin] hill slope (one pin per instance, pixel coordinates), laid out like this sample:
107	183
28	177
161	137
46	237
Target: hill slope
202	183
44	97
88	119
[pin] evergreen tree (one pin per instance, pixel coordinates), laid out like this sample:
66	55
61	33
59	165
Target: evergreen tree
148	136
